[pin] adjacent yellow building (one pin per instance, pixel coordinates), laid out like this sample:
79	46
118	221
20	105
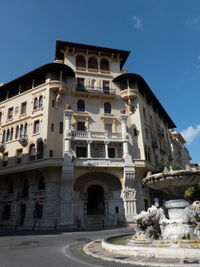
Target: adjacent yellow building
77	137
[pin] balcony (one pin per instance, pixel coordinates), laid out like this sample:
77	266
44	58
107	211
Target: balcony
129	94
98	162
58	86
86	90
38	194
8	197
96	136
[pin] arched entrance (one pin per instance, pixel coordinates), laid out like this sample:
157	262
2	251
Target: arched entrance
95	201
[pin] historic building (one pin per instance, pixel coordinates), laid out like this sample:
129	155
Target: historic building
78	135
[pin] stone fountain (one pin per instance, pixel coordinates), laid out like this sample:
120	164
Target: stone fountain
177	220
172	231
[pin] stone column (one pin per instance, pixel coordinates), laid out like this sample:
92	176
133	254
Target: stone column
128	192
66	203
89	142
123	119
106	149
67	117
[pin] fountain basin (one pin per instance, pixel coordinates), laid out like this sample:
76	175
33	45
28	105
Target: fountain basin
156	248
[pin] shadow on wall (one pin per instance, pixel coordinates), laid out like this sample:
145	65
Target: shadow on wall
134	133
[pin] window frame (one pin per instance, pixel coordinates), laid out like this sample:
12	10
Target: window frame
24	104
10	113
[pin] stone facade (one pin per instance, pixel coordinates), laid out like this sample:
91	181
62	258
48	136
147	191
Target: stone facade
77	137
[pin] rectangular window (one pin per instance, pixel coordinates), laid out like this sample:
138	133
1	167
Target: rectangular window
111	152
80	126
81	152
52	127
5	159
61	127
80	84
36	126
23	108
10	113
51	153
19	156
106	87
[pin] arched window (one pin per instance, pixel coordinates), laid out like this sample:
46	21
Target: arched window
11	134
17	135
4	136
32	152
80	62
21	131
41	184
36	103
104	65
8	135
40	101
107	107
40	150
25	129
80	105
92	63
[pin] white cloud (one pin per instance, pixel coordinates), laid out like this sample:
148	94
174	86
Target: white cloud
138	22
191	133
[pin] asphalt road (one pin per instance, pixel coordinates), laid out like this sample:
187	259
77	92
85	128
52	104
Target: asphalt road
50	249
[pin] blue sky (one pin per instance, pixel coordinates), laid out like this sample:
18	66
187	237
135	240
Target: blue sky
163	37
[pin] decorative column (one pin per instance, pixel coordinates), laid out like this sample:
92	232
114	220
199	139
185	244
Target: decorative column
89	142
106	149
123	119
67	117
66	203
128	193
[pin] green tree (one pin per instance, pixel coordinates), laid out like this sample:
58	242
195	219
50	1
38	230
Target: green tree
193	192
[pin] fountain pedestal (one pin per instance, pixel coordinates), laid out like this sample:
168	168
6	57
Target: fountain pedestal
175	227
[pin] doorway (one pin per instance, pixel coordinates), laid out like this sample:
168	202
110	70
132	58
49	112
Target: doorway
22	213
95	204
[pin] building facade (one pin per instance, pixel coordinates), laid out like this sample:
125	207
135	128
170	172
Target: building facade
77	137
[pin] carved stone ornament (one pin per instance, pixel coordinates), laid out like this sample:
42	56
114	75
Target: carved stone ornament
2	147
23	141
129	195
